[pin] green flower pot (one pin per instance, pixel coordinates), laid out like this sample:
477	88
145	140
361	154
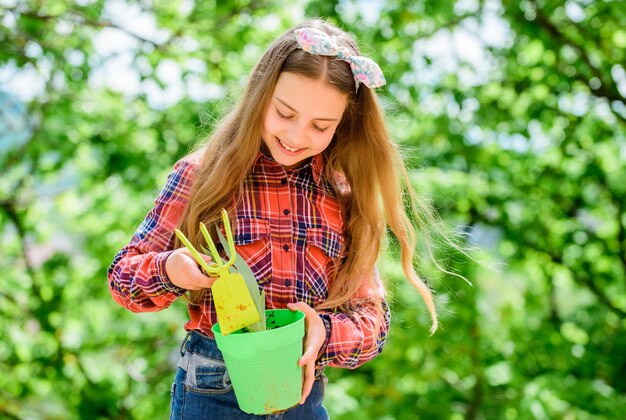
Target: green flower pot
263	366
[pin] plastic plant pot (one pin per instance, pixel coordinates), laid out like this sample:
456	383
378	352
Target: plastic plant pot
263	365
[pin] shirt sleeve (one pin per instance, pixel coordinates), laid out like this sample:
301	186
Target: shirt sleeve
137	277
356	336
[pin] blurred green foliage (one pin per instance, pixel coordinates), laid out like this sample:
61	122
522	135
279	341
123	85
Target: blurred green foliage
512	117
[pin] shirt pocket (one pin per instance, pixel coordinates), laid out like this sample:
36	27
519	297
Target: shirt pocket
323	255
252	242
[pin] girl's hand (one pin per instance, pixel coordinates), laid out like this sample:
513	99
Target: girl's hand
184	271
315	336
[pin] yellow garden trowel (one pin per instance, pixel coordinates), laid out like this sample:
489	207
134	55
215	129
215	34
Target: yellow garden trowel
238	302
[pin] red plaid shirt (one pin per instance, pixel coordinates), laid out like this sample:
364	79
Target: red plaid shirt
288	228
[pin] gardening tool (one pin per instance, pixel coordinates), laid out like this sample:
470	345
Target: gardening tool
238	302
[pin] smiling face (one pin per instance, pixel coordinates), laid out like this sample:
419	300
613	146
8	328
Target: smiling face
301	118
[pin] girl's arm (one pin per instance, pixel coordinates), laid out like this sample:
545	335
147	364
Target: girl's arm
343	339
137	277
353	338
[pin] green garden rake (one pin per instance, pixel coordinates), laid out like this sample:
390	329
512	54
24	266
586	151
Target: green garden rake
238	302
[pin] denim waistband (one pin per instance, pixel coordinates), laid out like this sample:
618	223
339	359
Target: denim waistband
196	342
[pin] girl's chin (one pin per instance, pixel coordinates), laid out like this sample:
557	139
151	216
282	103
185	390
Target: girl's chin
289	164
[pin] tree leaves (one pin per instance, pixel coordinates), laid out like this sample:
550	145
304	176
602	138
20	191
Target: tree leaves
512	117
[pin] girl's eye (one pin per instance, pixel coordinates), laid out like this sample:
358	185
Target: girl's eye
281	115
288	117
321	130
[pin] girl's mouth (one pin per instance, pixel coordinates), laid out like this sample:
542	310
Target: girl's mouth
287	148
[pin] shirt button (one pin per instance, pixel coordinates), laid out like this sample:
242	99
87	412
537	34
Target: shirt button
286	212
283	181
286	247
287	282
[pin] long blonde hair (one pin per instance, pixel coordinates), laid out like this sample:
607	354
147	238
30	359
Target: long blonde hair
361	151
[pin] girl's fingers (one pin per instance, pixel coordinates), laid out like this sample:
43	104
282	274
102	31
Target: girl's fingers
315	336
190	255
315	332
309	379
184	272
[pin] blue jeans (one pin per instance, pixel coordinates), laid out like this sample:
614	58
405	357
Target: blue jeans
202	387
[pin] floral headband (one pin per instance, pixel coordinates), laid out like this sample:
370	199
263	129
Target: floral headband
365	70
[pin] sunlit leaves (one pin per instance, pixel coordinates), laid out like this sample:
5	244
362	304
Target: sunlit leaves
511	117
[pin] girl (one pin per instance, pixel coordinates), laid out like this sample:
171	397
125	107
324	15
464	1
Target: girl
306	168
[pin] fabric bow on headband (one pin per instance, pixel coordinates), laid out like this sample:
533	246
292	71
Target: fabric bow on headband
365	70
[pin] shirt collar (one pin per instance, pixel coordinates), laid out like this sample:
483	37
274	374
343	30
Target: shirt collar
316	164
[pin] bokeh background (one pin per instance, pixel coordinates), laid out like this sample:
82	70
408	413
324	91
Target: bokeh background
511	115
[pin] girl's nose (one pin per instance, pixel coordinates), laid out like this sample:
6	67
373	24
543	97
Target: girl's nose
297	135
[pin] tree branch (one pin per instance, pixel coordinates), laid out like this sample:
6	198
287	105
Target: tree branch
84	20
621	236
9	208
557	259
611	94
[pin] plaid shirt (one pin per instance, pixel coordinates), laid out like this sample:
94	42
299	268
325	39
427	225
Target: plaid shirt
288	228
